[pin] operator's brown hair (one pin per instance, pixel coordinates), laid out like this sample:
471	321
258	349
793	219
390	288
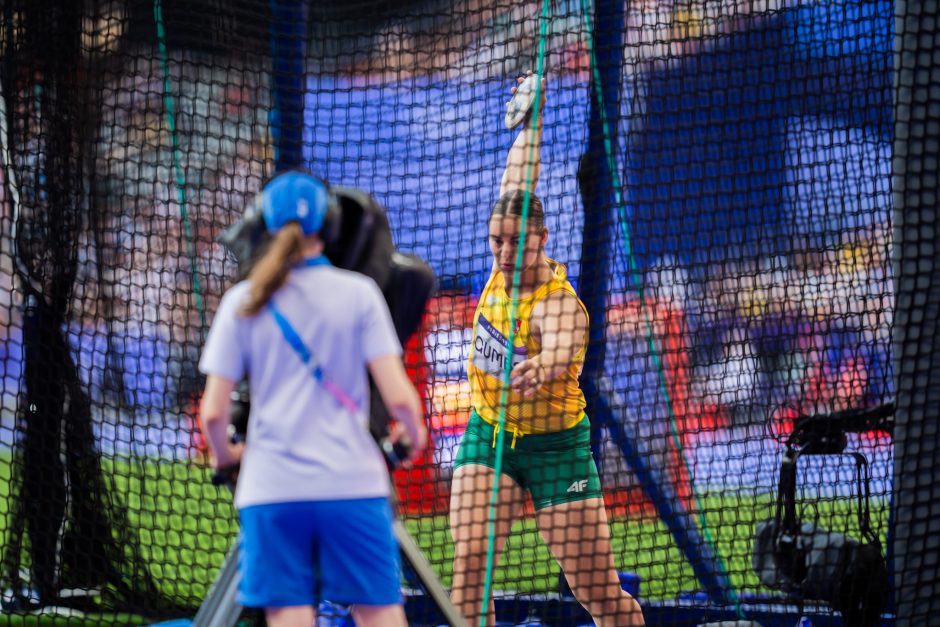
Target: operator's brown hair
270	271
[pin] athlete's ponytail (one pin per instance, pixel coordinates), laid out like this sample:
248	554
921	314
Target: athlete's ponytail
270	271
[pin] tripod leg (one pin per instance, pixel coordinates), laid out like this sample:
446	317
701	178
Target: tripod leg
429	581
219	608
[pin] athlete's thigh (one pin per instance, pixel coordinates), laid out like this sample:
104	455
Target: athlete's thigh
470	498
578	535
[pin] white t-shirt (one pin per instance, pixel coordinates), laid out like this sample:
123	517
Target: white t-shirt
302	444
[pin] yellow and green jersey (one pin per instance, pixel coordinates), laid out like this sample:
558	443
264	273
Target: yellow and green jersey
559	403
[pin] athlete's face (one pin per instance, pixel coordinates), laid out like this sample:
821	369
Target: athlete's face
505	239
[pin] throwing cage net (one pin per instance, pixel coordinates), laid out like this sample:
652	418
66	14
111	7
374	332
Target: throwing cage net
742	195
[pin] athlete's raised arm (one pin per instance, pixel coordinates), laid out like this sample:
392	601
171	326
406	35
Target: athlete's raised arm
524	161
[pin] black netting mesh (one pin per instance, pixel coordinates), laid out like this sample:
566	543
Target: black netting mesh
727	184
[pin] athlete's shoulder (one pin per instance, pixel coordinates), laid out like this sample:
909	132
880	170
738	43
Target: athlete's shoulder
561	302
493	285
562	292
496	277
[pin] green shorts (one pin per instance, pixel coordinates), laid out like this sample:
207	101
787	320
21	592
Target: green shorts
554	467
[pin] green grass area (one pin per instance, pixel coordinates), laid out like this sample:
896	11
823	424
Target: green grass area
51	620
184	526
181	525
642	545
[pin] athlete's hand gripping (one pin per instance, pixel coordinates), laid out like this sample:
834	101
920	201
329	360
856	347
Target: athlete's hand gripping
527	377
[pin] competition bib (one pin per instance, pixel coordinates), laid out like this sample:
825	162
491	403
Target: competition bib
491	349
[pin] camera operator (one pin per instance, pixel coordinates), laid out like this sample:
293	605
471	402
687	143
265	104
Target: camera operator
313	488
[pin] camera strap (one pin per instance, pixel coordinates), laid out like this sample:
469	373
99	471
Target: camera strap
293	338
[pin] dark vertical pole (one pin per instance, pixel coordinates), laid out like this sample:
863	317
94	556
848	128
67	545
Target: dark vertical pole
73	527
601	216
47	258
916	258
596	181
288	34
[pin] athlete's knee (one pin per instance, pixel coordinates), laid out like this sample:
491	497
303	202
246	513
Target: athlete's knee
470	568
611	606
618	609
631	609
603	604
470	549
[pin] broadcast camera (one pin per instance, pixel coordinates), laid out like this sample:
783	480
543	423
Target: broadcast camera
360	240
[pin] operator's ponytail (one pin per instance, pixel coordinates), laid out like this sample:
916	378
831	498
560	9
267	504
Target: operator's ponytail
270	271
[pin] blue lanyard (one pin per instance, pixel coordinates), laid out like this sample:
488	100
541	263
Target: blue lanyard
311	262
293	338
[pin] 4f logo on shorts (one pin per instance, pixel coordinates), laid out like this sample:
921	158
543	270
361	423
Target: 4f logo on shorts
578	486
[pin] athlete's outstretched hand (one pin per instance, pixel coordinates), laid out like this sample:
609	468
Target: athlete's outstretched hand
527	377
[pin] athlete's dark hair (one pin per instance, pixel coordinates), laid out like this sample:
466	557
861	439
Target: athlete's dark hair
511	203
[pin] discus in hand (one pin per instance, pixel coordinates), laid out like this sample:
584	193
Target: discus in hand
520	106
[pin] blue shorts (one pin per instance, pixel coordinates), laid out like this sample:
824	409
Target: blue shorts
302	553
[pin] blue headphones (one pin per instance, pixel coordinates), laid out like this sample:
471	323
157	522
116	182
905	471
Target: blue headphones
296	196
